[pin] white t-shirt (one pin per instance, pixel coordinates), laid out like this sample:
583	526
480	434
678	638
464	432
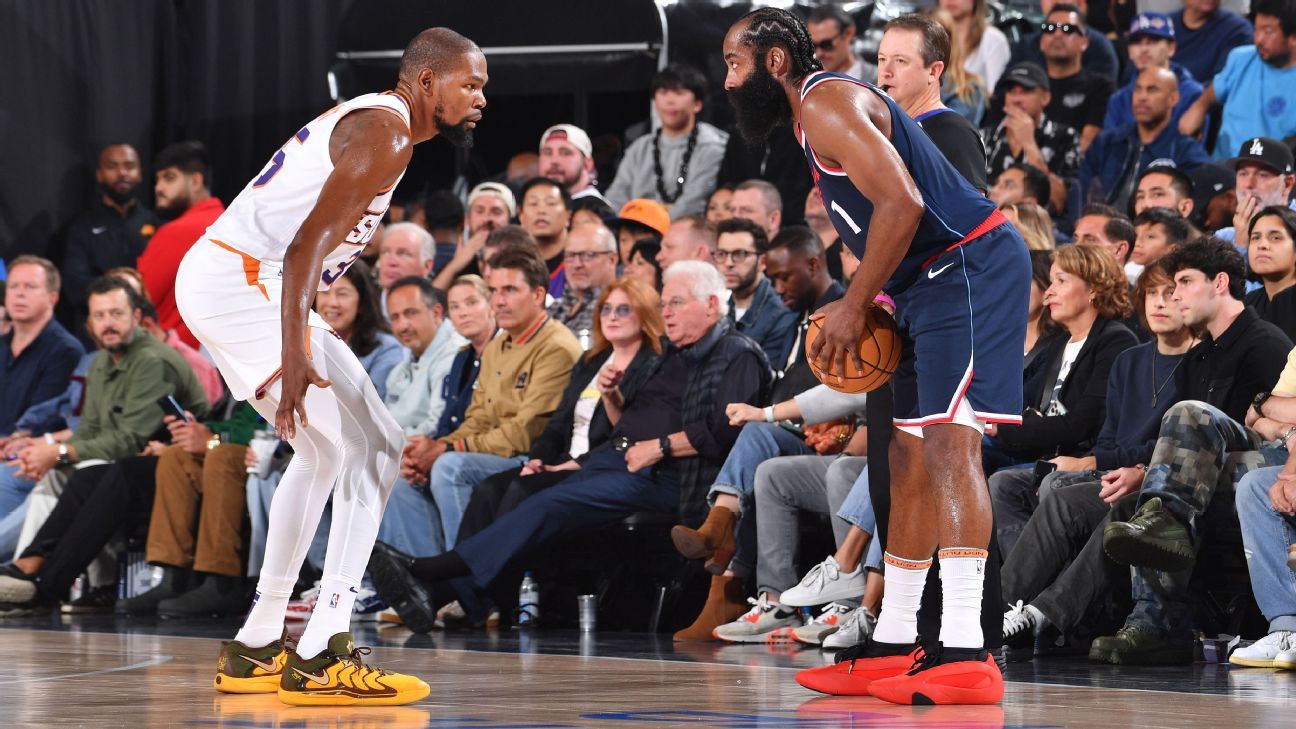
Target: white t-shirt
1069	354
990	57
584	414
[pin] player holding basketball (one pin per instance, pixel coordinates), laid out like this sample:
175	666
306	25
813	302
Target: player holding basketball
960	279
245	290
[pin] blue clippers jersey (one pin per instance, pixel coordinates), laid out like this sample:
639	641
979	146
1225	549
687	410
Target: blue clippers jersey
952	207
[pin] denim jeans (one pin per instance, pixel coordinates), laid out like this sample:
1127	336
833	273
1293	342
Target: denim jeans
14	490
850	500
452	480
757	443
1267	536
411	522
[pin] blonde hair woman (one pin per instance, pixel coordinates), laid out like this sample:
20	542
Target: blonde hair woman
1034	224
984	48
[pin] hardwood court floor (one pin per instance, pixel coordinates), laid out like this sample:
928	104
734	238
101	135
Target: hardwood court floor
111	673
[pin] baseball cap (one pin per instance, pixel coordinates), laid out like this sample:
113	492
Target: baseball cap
1267	151
645	212
1210	180
1167	166
574	135
1026	74
1154	25
497	189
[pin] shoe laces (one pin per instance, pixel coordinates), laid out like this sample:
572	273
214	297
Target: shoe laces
925	659
824	572
857	618
760	606
354	659
1283	640
1017	620
832	608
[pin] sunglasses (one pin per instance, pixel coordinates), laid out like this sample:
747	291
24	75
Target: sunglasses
1068	28
827	43
622	311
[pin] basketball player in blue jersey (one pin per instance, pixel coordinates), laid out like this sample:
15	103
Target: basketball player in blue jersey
959	277
245	290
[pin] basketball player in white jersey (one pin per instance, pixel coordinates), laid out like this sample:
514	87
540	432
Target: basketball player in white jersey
245	290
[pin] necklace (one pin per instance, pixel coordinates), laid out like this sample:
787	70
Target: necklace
684	165
1156	391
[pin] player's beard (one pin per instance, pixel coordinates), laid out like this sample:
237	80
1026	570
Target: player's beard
457	134
760	104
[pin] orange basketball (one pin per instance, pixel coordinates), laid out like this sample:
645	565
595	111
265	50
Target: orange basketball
879	348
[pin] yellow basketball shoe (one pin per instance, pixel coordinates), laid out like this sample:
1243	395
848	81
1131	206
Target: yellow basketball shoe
337	677
244	670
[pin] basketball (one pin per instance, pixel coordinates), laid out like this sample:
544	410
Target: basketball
879	349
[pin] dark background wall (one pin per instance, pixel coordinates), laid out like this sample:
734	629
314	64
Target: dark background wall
242	75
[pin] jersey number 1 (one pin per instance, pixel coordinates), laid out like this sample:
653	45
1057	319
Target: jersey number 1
849	221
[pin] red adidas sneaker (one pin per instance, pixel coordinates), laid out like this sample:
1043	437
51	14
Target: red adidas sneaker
853	675
945	676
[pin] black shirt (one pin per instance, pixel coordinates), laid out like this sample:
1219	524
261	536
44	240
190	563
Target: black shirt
796	377
1080	100
1228	373
1279	311
655	409
1058	143
958	140
97	240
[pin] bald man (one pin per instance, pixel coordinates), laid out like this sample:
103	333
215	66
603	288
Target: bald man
590	260
1107	175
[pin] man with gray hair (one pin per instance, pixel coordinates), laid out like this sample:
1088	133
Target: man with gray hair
407	249
590	260
760	202
667	446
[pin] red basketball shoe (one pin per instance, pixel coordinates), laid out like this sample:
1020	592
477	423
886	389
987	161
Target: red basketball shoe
945	676
860	666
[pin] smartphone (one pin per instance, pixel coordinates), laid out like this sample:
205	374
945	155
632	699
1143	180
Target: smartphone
170	406
1042	470
792	428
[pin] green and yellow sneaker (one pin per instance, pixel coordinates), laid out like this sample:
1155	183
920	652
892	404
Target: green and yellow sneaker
244	670
337	677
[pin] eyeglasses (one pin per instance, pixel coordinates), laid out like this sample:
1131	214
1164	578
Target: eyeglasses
738	257
676	302
584	256
827	43
622	311
1067	28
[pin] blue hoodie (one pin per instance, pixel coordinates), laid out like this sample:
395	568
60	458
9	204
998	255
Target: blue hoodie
1120	107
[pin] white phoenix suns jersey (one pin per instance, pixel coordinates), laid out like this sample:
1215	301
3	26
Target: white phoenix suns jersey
265	217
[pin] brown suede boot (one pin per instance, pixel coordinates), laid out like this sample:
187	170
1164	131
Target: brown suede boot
713	541
724	604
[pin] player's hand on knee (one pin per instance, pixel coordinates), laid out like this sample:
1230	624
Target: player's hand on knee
298	375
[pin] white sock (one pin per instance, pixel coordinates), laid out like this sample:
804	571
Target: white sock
904	580
265	621
332	615
962	573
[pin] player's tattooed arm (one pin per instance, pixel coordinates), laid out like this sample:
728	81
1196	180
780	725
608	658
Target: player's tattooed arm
369	148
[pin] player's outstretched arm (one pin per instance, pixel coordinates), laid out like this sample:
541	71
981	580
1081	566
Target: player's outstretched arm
840	122
369	149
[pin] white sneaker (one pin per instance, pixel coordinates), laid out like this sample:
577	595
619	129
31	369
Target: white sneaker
302	607
368	606
1264	653
766	621
855	629
1286	659
1019	621
825	583
824	624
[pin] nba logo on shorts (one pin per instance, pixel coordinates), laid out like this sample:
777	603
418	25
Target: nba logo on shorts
333	600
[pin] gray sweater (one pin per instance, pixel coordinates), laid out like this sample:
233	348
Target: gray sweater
635	177
821	404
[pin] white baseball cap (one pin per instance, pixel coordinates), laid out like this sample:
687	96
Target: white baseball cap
572	134
498	190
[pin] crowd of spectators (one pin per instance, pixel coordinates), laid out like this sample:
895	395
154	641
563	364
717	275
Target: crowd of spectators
563	352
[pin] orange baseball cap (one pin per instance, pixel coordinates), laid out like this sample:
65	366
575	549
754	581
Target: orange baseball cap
645	212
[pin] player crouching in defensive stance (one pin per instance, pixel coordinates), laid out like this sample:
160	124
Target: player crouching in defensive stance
245	290
960	278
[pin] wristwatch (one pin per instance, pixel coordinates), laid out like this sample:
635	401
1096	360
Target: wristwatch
1260	399
213	441
63	459
1285	438
664	444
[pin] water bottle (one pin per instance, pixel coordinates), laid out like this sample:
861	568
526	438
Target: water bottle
583	336
528	601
